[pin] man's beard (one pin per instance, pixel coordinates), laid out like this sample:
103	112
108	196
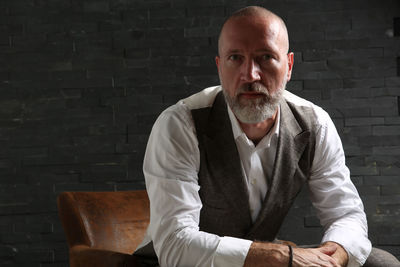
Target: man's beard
258	109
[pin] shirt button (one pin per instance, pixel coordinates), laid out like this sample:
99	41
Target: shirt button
253	181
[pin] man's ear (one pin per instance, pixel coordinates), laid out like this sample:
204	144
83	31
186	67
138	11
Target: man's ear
290	65
217	61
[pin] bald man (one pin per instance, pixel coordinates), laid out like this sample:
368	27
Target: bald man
223	166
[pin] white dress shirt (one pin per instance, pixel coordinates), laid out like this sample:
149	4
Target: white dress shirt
171	165
257	161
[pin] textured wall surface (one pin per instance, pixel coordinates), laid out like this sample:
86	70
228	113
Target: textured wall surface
82	81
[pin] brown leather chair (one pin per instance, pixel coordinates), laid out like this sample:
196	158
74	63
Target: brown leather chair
103	228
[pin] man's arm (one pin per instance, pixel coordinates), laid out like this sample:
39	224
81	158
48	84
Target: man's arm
171	165
336	199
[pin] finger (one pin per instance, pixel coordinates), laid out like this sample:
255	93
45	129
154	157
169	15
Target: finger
327	263
328	250
331	261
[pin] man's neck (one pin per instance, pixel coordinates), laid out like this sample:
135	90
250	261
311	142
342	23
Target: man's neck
256	131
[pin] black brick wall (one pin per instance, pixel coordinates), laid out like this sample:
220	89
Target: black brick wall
82	81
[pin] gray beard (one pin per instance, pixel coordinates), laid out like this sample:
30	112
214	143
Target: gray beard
255	110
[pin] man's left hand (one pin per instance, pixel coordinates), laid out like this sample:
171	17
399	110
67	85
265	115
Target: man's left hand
340	254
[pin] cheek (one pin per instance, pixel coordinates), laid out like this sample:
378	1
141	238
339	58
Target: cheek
227	78
274	76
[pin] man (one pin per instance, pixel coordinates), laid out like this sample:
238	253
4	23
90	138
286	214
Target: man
220	176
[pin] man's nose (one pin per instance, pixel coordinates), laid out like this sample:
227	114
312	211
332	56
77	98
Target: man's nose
250	71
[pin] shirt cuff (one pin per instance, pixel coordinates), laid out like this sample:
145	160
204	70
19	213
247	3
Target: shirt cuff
356	245
231	252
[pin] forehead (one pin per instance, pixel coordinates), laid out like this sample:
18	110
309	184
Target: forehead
249	33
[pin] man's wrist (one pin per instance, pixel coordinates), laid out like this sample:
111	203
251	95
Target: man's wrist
290	256
273	254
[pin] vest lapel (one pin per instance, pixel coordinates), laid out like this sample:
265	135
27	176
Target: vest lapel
223	158
291	144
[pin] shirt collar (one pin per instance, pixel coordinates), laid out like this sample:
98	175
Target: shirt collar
238	132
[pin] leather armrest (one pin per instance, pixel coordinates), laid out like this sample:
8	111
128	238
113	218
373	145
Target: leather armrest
84	256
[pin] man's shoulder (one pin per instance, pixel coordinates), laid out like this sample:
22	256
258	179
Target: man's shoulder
298	101
306	108
180	113
203	99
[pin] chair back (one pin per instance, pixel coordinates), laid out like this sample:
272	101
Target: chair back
115	221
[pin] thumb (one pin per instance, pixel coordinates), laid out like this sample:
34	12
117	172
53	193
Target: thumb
328	249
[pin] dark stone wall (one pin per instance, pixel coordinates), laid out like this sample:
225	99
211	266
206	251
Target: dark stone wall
82	81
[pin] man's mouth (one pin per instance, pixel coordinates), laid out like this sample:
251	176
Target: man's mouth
251	95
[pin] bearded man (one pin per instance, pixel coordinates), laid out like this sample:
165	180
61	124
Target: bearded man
223	166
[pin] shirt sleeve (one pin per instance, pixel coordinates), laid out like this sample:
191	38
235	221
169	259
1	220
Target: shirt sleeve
170	167
338	205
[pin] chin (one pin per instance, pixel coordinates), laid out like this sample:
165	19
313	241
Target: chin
252	116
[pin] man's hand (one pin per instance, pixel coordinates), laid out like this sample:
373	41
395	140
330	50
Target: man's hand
329	254
340	254
315	257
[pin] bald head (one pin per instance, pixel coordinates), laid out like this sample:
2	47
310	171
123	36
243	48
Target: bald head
259	14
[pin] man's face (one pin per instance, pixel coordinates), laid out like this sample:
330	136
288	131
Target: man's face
253	66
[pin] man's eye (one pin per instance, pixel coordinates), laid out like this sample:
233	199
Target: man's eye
266	57
234	57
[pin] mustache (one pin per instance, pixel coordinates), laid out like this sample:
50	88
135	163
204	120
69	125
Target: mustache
253	87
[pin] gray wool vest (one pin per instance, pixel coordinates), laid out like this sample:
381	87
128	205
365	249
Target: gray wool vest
223	189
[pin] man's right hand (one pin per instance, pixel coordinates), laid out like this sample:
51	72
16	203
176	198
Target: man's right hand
314	257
